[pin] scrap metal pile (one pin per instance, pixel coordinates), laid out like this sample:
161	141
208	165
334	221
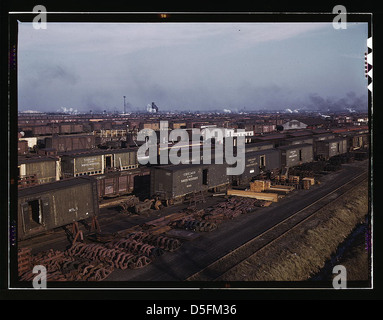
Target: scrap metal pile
131	248
232	208
62	267
95	261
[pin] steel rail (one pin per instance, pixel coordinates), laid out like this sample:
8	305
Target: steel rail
214	267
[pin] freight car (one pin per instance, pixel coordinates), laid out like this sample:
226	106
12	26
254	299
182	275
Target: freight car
277	139
356	140
176	181
298	140
45	207
44	130
325	149
258	146
257	162
37	170
296	154
74	164
71	142
68	128
118	183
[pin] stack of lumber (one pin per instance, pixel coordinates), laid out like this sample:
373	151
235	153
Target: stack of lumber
260	185
252	194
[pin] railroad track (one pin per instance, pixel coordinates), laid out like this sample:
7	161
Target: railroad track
223	265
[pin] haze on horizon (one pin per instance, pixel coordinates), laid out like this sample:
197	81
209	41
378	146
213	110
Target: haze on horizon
192	66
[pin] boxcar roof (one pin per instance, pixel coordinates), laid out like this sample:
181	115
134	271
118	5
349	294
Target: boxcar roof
46	187
332	140
271	137
86	153
35	159
176	167
261	152
260	143
300	133
328	134
299	138
295	146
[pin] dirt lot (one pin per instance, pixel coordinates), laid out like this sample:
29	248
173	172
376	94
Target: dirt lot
303	251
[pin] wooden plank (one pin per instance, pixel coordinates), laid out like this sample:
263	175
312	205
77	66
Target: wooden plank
282	187
251	194
159	230
312	180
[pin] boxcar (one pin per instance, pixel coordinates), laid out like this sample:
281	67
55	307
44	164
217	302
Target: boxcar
45	207
356	140
175	181
42	130
257	161
326	149
43	169
118	183
293	155
257	146
298	140
75	164
276	139
70	143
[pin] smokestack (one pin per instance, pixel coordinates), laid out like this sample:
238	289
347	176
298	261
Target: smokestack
154	107
124	105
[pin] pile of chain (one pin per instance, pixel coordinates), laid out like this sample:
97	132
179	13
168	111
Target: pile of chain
195	225
114	257
136	247
231	208
61	267
163	242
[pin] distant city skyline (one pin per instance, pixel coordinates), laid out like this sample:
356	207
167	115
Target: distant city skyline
191	66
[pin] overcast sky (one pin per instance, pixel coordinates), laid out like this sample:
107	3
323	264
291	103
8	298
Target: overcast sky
191	66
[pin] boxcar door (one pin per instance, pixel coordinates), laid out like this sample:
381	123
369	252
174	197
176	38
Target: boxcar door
32	217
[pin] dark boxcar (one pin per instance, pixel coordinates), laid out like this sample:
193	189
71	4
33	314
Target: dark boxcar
257	146
325	149
294	155
44	169
257	161
45	207
65	128
298	140
324	136
114	184
42	130
174	181
77	128
214	175
276	139
70	143
356	140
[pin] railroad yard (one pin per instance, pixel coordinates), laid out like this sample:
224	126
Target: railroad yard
89	210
